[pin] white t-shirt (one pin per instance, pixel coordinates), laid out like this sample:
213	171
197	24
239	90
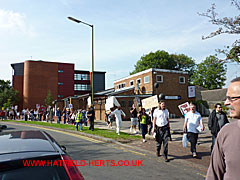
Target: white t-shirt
161	117
193	121
118	114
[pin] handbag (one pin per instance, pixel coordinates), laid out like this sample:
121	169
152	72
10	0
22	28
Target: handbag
184	140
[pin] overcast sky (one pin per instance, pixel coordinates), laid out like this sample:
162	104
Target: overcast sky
124	30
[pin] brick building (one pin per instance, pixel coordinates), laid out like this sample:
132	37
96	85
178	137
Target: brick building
33	80
173	84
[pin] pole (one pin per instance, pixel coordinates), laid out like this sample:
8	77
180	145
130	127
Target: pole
92	64
78	21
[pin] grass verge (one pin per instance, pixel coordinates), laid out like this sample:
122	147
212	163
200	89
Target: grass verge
107	133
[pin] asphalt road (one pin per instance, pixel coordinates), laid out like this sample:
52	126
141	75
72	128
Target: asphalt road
150	167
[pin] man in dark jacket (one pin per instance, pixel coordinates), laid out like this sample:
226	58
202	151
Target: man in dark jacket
216	121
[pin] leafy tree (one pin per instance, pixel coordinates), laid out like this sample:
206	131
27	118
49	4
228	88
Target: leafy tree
227	25
8	96
49	99
210	73
164	60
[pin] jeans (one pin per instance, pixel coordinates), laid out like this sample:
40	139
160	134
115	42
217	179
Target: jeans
213	141
77	124
58	119
144	130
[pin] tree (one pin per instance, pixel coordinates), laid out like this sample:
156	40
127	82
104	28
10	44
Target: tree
8	96
210	74
227	25
49	99
164	60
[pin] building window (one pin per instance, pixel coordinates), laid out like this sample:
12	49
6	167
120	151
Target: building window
139	81
130	103
159	78
181	79
146	79
119	86
123	103
123	85
81	77
60	71
60	83
131	83
82	87
60	96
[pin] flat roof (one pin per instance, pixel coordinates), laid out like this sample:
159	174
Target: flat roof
149	70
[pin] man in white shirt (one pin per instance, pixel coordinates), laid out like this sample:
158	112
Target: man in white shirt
160	126
118	114
193	125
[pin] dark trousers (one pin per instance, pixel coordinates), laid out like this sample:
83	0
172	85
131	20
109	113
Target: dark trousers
150	128
192	137
162	137
91	122
144	130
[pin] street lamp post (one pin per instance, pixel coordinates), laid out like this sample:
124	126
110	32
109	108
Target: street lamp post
78	21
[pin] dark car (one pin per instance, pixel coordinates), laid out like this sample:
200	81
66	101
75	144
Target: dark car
34	155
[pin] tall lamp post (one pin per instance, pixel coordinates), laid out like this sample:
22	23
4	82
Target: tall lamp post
78	21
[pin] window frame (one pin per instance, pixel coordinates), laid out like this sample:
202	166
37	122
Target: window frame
140	81
148	79
161	78
132	81
183	79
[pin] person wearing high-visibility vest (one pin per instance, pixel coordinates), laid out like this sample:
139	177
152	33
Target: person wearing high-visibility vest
79	120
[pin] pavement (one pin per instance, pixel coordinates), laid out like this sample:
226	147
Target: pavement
175	149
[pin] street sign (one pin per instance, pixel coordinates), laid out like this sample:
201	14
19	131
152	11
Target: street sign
173	97
70	106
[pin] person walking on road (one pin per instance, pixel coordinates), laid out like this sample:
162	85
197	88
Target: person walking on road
225	159
134	119
58	114
160	127
216	121
193	125
79	120
118	114
143	122
91	117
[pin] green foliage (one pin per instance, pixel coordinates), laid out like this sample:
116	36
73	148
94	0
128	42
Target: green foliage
164	60
210	74
49	99
8	96
224	108
226	25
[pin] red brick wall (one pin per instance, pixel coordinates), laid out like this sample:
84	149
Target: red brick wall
39	77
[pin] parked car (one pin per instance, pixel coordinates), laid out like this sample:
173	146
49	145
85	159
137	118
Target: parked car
19	148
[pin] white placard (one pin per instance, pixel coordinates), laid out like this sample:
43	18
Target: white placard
150	102
184	108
